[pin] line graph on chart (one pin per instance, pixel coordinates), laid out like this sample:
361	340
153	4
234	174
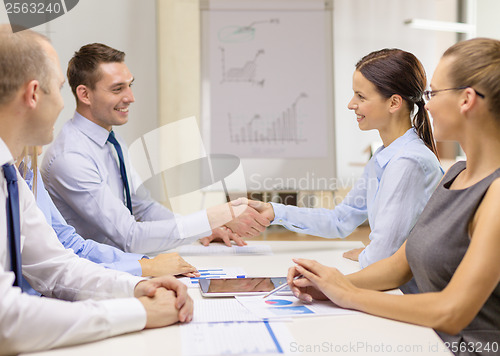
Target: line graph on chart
243	74
238	34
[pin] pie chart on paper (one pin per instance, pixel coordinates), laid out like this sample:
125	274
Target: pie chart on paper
277	302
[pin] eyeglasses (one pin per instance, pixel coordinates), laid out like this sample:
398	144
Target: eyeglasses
428	94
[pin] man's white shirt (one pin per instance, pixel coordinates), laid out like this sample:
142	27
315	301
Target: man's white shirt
29	323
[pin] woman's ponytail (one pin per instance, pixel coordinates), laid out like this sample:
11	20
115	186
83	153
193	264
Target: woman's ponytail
422	124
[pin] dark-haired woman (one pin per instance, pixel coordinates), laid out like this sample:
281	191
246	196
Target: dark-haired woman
452	252
399	179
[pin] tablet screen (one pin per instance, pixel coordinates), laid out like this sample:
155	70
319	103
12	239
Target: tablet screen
235	286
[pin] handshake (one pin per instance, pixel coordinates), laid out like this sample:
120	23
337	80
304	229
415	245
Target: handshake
238	219
165	299
231	221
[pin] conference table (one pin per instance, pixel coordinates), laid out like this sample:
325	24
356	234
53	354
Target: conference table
356	334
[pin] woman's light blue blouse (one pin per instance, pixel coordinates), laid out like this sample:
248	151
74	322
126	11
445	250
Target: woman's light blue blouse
395	186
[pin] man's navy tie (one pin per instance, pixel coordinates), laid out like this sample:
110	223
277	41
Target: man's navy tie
13	222
123	171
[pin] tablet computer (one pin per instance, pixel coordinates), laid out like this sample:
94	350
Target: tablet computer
230	287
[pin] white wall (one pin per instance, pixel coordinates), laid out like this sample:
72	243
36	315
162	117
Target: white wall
487	18
127	25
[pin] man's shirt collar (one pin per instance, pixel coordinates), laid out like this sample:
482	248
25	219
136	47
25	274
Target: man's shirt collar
93	131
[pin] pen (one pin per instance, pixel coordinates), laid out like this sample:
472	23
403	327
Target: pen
280	287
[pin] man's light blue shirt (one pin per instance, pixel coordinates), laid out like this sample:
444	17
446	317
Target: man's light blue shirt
395	186
83	178
108	256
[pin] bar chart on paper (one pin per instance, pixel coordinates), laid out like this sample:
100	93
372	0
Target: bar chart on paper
289	307
213	272
237	338
267	92
267	89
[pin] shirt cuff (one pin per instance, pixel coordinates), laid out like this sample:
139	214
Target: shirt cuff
121	322
132	266
127	262
363	259
279	214
194	226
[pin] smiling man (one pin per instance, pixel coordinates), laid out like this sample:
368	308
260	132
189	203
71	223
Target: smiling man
94	186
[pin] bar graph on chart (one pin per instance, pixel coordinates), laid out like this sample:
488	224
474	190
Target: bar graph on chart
283	129
211	273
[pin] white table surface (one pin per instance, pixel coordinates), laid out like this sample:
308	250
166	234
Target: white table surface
358	334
